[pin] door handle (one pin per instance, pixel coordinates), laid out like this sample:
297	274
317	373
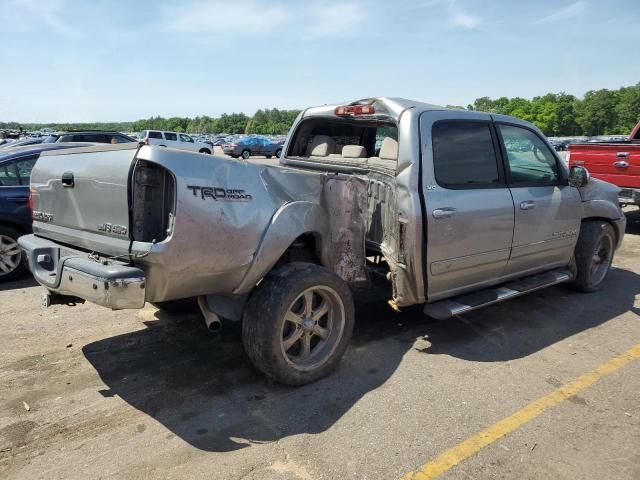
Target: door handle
18	199
445	212
622	154
527	205
621	164
67	179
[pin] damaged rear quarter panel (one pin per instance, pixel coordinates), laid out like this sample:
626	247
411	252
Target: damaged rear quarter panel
235	219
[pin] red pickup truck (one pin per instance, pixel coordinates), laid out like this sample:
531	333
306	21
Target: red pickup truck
613	162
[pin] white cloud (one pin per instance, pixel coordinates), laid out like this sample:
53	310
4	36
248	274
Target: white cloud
572	10
336	18
244	16
22	16
255	17
461	18
456	16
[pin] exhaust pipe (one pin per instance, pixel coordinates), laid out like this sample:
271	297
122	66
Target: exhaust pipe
214	325
211	319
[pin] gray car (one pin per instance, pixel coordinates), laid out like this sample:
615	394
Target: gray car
454	209
252	146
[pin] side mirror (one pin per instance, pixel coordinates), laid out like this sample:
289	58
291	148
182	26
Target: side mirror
578	177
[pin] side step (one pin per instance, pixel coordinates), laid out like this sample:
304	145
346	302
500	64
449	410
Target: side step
451	307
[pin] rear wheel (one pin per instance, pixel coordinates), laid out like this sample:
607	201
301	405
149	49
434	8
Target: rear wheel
204	150
11	264
278	153
594	255
246	154
298	323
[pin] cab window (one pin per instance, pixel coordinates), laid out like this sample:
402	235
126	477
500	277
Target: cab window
464	155
529	159
24	167
8	175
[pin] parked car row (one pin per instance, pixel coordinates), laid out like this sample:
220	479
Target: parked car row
252	146
174	140
15	215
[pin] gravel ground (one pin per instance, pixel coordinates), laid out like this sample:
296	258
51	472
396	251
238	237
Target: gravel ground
90	393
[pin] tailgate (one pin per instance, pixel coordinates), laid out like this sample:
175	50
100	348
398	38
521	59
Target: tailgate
80	197
614	163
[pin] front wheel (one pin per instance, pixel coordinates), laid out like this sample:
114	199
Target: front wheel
298	323
204	150
246	154
278	153
594	255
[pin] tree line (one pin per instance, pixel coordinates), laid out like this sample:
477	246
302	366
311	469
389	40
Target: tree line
599	112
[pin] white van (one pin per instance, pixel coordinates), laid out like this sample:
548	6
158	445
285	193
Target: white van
174	140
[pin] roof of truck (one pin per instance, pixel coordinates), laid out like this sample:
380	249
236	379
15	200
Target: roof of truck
394	106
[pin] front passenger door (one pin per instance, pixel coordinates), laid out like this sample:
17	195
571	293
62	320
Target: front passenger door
547	209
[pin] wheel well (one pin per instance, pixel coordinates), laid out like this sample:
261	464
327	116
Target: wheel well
302	249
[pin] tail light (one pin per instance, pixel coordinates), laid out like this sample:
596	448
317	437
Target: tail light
153	202
568	157
146	141
31	204
355	110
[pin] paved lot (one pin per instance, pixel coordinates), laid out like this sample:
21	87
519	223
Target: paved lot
89	393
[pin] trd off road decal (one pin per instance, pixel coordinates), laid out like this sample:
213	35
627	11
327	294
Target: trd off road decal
220	194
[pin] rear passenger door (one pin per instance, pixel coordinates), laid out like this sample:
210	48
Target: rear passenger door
548	210
171	139
14	189
469	209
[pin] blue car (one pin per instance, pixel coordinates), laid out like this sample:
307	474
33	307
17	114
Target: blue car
15	216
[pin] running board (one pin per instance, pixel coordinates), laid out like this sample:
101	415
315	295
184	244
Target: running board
451	307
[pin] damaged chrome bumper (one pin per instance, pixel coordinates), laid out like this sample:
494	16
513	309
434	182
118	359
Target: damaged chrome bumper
629	196
71	272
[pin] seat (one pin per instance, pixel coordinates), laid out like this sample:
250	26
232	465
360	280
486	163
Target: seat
354	151
388	159
355	155
321	146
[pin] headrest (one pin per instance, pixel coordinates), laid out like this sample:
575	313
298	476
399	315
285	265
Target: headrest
321	146
354	151
389	149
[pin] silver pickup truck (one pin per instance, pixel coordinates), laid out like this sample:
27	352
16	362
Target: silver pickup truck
455	209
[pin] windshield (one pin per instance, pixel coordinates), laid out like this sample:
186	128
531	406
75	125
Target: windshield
51	139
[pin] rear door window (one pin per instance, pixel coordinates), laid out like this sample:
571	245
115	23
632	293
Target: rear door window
90	137
171	136
464	155
157	135
8	175
24	166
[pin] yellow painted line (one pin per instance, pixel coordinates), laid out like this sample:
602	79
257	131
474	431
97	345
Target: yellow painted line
473	445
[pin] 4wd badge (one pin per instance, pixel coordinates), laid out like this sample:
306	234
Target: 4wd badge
115	229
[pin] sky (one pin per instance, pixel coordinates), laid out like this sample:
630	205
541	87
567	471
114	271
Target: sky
100	60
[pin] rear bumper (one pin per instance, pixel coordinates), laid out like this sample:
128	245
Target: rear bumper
629	196
66	271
